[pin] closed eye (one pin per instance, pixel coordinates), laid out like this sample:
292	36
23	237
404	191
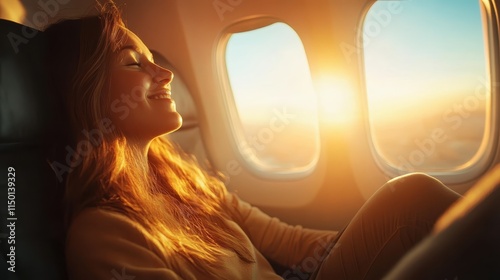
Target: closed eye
138	64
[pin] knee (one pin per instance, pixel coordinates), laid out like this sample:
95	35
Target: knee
417	181
421	186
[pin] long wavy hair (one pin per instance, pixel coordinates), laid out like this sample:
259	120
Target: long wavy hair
179	205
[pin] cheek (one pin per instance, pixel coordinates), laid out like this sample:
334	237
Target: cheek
127	95
137	94
128	85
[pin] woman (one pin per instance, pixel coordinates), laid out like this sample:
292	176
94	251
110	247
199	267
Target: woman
138	209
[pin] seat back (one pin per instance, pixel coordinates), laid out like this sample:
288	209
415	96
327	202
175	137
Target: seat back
31	232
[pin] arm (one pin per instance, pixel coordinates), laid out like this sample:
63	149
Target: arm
288	245
106	245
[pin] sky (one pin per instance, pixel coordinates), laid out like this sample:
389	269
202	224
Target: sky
420	58
421	52
427	53
268	70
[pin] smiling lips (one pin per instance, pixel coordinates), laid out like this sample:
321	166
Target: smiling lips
161	95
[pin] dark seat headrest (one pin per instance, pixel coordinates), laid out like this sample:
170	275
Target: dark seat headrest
27	111
28	121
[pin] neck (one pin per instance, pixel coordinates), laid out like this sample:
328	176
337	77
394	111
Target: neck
142	149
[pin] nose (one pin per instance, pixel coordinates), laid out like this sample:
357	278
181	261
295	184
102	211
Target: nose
163	75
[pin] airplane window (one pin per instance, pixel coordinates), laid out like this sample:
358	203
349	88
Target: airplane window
276	126
427	83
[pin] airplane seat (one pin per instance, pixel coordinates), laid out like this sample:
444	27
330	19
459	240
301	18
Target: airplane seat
31	232
188	137
465	243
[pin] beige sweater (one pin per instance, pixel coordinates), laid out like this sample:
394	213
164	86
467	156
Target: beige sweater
107	245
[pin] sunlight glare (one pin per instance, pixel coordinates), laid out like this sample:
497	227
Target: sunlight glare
336	100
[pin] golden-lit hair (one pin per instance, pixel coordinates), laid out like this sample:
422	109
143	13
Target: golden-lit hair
177	203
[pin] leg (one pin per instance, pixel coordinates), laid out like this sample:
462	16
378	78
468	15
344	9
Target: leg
390	223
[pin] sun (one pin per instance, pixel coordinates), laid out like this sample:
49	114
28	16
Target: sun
336	100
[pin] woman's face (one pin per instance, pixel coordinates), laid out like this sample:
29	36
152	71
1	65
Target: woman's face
140	98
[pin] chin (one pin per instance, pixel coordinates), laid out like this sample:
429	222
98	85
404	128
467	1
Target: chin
174	123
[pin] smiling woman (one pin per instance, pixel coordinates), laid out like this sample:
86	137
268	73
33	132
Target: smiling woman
145	88
131	171
136	204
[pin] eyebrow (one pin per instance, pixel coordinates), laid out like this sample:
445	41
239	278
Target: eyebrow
137	50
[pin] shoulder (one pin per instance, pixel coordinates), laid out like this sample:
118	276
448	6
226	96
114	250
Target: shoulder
103	222
102	242
95	226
